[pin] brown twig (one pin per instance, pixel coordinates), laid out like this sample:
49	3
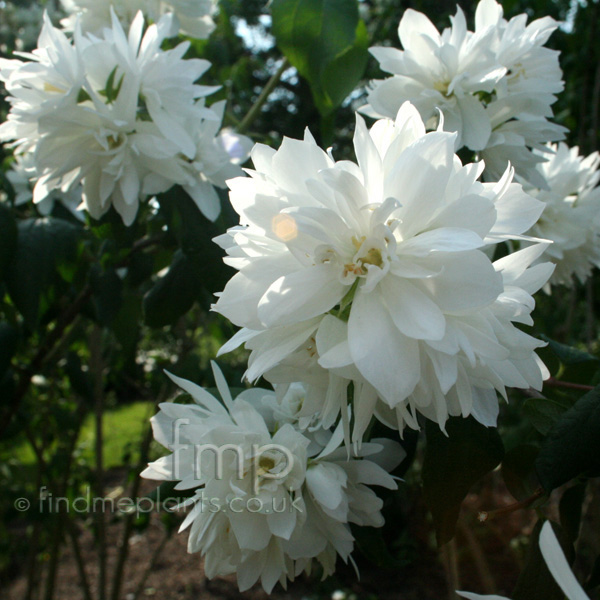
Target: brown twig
552	382
83	580
135	488
485	516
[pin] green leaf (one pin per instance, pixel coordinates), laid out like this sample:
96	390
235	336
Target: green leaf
173	294
518	470
326	42
570	509
8	239
573	444
536	581
107	289
339	77
43	246
543	413
451	466
9	337
371	543
569	355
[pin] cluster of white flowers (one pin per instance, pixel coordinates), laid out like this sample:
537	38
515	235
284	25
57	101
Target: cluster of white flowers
282	496
571	217
367	290
119	116
192	17
376	273
494	86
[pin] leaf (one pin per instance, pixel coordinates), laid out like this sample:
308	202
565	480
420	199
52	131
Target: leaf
372	545
79	379
339	77
173	294
107	289
573	444
43	246
451	466
9	337
543	413
570	509
536	581
8	239
518	470
569	355
326	42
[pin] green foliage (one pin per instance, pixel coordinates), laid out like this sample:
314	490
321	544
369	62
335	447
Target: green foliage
8	239
44	247
326	42
453	463
573	444
173	294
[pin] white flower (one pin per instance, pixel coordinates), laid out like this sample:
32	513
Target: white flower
118	115
192	17
571	218
449	71
21	176
557	565
494	86
280	498
375	272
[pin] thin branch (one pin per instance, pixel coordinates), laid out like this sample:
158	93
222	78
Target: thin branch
552	382
83	580
53	338
257	106
150	567
450	560
485	516
481	564
135	488
96	368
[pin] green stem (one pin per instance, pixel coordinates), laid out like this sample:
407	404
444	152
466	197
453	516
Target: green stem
257	106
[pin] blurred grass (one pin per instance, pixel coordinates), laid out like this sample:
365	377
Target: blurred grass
123	427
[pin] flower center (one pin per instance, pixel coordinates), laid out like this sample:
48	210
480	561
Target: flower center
372	256
442	87
265	464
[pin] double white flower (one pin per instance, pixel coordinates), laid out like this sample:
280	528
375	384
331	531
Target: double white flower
120	116
495	86
375	272
571	218
191	17
269	496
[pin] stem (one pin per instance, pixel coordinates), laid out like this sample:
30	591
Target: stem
67	317
485	516
552	382
589	321
150	567
96	368
62	518
450	559
135	488
83	581
256	107
481	564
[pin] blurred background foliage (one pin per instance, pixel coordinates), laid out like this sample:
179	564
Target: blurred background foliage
92	314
